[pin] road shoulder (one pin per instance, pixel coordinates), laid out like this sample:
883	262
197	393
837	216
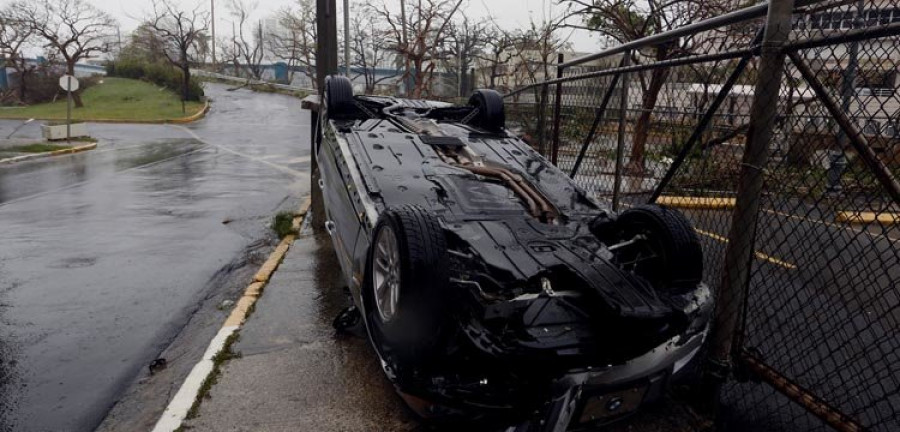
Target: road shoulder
290	370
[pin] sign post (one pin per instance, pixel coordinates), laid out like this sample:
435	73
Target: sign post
69	84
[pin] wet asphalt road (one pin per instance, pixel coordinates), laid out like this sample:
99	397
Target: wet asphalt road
105	254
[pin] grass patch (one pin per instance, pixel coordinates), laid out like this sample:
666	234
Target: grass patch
37	148
116	99
283	224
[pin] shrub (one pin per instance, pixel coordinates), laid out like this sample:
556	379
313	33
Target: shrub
161	74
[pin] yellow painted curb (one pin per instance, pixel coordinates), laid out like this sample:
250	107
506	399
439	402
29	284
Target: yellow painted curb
714	203
867	217
240	311
272	263
23	158
190	119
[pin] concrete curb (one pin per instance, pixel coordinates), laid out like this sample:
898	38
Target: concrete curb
862	218
707	203
182	120
180	405
23	158
190	119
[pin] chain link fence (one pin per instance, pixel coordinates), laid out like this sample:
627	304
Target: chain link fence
783	148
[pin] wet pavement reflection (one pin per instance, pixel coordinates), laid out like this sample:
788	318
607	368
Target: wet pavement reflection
105	254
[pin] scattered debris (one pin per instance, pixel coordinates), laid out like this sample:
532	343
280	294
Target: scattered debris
157	365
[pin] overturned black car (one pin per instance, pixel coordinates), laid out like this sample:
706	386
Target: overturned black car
492	288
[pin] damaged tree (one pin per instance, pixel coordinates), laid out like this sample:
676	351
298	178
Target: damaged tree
249	51
369	52
293	40
625	21
496	55
14	37
417	36
74	28
180	32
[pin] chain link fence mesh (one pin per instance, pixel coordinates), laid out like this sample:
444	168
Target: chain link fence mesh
822	308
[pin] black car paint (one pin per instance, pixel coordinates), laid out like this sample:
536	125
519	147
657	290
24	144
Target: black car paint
501	257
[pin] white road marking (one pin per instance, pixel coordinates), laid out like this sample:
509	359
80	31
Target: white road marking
281	168
179	406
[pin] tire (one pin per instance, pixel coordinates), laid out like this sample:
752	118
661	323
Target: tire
338	93
678	267
414	329
491	114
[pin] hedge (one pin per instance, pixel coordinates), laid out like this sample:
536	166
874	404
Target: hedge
161	74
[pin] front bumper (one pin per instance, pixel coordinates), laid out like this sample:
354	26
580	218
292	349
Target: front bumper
576	400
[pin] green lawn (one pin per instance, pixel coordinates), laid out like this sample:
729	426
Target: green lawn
37	148
115	99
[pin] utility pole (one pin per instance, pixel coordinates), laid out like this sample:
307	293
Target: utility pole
212	8
326	48
347	37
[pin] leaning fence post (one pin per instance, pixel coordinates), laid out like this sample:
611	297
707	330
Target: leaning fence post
739	252
542	120
620	144
557	108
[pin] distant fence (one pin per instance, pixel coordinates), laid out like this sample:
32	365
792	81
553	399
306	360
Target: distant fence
239	80
781	132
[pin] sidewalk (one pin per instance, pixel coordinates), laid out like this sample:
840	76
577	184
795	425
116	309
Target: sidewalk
294	372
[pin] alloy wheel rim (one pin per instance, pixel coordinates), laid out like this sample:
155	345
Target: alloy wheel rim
386	274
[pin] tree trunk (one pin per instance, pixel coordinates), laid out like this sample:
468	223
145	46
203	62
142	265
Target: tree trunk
185	84
23	87
76	95
642	127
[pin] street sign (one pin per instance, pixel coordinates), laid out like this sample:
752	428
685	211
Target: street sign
68	83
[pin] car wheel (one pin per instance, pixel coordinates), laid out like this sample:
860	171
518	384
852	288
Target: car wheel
668	254
491	115
406	283
338	93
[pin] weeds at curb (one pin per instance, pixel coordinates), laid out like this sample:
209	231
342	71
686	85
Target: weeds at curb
219	359
283	224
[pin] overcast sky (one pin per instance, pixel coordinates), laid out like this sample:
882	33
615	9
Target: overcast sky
508	13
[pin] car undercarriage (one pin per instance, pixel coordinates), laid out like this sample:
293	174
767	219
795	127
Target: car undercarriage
493	288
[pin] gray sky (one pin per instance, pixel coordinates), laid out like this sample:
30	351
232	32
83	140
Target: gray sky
508	13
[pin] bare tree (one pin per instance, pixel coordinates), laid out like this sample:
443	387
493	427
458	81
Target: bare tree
248	48
15	35
465	42
182	33
229	54
293	40
417	34
369	53
537	46
626	20
496	55
74	28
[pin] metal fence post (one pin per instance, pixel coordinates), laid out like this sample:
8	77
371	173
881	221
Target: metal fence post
557	108
542	120
739	251
620	143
